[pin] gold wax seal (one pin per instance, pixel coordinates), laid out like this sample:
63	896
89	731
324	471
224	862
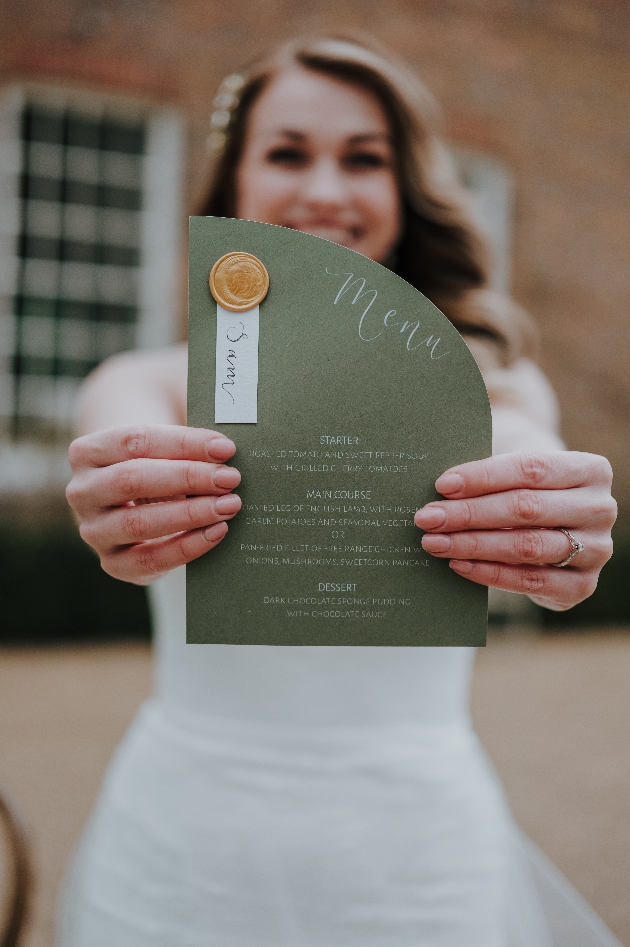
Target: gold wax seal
239	281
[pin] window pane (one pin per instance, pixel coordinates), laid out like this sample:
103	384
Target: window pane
121	170
45	160
77	310
120	256
123	197
37	336
43	218
82	165
36	307
41	189
81	252
83	132
37	365
109	313
75	339
120	228
78	192
80	222
127	138
40	277
39	125
40	248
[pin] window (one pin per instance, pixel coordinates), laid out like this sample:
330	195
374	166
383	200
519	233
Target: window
79	251
88	247
489	184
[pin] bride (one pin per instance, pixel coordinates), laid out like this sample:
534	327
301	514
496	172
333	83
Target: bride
330	797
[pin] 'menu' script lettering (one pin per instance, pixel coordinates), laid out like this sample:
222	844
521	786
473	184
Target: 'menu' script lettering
373	325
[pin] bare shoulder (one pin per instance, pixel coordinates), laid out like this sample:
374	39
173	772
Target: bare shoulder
150	365
147	386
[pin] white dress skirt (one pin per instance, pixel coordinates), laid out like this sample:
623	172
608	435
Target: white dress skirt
310	797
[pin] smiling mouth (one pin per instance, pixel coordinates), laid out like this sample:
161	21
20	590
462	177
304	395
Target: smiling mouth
345	236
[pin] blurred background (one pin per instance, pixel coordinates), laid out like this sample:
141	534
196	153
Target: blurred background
104	120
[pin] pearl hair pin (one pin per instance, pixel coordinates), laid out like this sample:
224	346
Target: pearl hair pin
225	103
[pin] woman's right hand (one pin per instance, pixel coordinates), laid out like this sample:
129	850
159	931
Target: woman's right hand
153	497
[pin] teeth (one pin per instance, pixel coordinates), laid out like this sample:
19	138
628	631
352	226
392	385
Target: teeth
329	233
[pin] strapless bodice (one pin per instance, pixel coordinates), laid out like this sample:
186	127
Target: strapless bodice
310	686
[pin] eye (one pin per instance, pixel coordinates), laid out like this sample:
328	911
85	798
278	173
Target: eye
286	155
367	160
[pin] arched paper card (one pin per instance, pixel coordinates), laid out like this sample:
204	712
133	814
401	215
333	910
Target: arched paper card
366	394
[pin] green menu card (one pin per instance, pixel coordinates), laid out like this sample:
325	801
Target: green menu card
365	394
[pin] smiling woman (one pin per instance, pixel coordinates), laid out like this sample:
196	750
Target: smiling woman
343	144
325	795
329	169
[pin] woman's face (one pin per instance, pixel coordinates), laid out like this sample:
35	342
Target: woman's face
318	157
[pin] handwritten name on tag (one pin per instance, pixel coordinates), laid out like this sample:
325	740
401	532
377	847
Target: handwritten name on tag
236	388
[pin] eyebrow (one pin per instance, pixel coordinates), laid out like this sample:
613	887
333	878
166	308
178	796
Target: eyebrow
354	139
371	136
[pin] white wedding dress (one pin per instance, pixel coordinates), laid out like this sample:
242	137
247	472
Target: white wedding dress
315	797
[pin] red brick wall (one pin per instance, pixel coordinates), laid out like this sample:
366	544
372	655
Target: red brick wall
541	84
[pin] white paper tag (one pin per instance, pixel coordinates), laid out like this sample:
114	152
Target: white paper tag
236	388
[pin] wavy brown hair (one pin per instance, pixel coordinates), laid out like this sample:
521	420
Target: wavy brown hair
441	251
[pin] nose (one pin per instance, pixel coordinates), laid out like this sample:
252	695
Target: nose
325	186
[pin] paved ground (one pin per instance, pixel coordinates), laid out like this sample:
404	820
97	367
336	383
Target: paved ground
553	713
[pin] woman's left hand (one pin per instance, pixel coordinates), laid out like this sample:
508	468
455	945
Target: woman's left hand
499	524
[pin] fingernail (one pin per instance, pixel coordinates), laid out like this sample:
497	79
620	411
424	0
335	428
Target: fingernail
227	504
221	447
449	483
227	478
430	517
462	566
435	542
214	533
